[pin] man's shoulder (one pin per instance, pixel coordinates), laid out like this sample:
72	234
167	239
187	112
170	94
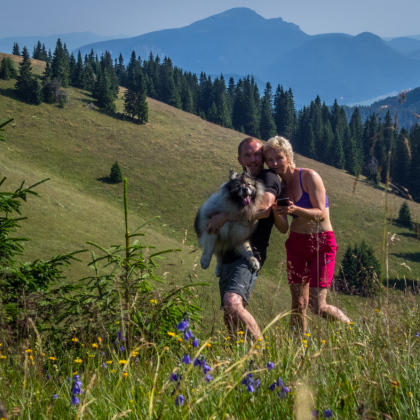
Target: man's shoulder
267	176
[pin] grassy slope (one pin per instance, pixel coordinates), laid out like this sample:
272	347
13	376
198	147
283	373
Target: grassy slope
173	163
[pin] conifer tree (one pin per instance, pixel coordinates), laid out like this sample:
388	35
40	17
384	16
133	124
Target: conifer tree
350	153
7	69
135	103
116	175
78	75
15	50
72	69
103	91
337	152
27	87
327	143
401	173
414	185
267	124
404	215
60	65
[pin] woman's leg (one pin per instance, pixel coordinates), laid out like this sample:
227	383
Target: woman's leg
319	306
300	299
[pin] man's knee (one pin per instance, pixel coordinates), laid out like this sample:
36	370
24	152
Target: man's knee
232	303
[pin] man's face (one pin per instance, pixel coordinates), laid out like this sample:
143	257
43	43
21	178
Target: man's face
252	156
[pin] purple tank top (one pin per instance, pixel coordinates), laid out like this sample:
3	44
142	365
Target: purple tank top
304	201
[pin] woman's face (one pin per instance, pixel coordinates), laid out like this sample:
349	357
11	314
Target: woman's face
276	160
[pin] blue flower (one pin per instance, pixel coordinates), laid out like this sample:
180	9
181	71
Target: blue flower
206	368
285	391
102	353
186	359
270	366
272	387
279	382
104	365
208	378
198	362
76	390
122	348
195	342
55	396
417	334
327	414
182	325
250	388
257	383
174	377
179	401
119	335
75	400
315	414
48	376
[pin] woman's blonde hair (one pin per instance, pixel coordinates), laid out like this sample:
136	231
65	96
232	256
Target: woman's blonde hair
281	144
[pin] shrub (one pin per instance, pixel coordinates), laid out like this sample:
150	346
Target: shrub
360	271
116	175
404	216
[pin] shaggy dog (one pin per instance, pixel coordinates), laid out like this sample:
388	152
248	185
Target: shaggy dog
241	196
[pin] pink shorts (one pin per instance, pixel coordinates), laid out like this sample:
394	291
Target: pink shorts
311	258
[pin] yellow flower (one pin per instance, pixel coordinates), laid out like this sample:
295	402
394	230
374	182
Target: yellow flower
78	360
122	362
75	339
53	358
227	338
117	322
350	328
42	354
171	334
266	337
125	374
257	347
109	362
135	353
113	371
241	333
131	401
208	345
241	341
322	341
412	366
277	328
260	339
99	339
166	348
304	341
3	357
351	323
189	345
410	394
91	355
376	310
180	339
226	344
154	301
308	335
306	346
83	345
75	373
31	357
28	351
95	346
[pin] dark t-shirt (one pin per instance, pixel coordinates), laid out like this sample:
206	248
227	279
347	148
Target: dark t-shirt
260	238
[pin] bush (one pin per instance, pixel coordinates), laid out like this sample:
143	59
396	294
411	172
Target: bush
116	175
404	216
360	271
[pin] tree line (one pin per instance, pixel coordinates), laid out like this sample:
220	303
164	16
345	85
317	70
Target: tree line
318	131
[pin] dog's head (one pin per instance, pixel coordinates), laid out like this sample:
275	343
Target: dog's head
243	189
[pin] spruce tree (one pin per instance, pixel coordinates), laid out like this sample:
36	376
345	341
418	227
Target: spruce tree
267	124
401	172
414	184
337	153
7	69
15	50
24	82
327	143
350	153
135	103
60	65
103	91
404	216
115	175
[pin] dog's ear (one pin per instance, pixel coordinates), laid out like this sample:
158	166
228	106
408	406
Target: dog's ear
247	172
233	175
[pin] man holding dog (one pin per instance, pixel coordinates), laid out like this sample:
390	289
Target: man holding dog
237	279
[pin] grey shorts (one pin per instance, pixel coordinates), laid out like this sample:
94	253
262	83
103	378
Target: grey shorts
237	277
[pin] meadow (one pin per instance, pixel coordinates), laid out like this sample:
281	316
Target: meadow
367	369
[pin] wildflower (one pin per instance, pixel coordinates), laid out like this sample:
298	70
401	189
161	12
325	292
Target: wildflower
75	340
285	391
117	322
208	345
195	342
109	362
241	333
250	388
28	351
198	362
123	362
307	334
91	355
179	401
125	374
304	341
102	353
180	339
279	382
241	341
135	353
104	365
206	368
208	378
227	338
55	396
257	383
187	335
182	325
322	341
94	346
186	359
327	414
410	394
272	387
257	347
53	358
270	366
166	348
153	301
78	360
122	348
75	400
99	339
113	371
376	310
119	335
417	335
260	339
351	323
175	378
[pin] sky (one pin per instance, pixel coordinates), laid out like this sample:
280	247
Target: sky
386	18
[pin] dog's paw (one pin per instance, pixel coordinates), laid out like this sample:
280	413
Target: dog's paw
255	265
205	261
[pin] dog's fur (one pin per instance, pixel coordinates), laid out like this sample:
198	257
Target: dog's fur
241	196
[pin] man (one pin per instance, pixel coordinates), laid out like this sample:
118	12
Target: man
237	279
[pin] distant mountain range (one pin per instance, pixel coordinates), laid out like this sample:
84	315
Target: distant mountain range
239	41
73	41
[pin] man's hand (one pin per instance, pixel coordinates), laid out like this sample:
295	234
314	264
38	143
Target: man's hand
216	221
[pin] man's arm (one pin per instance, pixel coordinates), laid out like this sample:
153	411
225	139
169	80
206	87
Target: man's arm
219	219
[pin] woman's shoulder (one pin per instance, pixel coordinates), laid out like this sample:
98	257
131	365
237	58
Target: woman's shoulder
310	176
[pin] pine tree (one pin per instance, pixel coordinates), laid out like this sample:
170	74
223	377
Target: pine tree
404	216
135	103
25	87
414	184
78	75
103	91
7	69
60	65
401	172
267	124
327	143
15	50
356	129
116	175
337	152
350	153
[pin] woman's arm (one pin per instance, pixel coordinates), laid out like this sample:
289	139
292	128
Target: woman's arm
280	220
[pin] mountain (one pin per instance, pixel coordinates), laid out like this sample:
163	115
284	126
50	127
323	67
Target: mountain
404	45
73	40
343	67
236	41
239	41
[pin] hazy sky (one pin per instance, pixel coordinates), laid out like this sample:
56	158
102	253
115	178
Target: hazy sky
135	17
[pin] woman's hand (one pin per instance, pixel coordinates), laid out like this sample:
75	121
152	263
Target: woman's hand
284	210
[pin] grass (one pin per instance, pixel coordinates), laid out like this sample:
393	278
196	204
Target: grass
173	164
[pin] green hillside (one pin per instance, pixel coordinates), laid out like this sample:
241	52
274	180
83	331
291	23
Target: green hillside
173	164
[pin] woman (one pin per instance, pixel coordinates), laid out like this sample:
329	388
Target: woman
311	246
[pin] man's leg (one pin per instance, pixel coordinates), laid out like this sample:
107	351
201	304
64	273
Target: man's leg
319	306
300	300
235	314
